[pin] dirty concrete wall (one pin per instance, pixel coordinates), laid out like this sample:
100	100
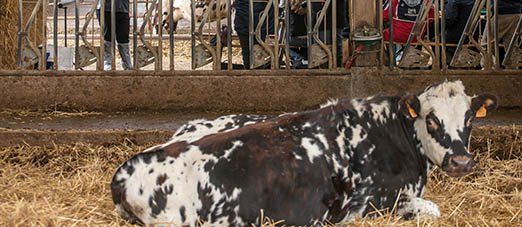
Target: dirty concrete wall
241	91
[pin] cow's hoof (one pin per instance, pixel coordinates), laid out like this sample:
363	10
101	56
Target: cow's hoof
419	208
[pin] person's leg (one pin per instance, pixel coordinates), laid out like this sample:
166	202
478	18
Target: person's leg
245	49
122	36
107	53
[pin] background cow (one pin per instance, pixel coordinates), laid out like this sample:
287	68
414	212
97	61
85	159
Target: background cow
328	164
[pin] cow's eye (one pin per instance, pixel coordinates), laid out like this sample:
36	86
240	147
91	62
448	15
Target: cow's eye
431	124
468	122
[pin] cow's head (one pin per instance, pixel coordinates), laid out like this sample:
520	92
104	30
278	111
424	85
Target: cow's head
443	116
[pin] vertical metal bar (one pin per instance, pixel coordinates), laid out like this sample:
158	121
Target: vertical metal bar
488	35
55	34
380	27
334	33
217	61
113	34
443	35
159	17
287	34
65	25
436	60
193	31
276	31
102	27
43	57
135	34
392	46
495	34
77	35
171	35
229	34
20	34
309	31
251	35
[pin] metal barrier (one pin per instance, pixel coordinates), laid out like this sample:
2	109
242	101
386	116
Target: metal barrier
271	48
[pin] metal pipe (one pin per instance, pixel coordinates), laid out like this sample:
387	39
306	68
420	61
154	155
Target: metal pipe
77	35
159	18
287	34
171	35
488	37
229	34
55	34
65	25
102	28
309	31
217	60
436	60
275	61
495	33
443	35
135	35
20	34
193	30
43	57
251	35
113	34
334	33
393	63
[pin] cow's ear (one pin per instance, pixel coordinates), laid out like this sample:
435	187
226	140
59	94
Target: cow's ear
410	106
482	104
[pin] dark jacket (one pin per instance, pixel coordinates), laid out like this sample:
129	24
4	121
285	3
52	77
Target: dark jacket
457	14
509	6
121	6
242	17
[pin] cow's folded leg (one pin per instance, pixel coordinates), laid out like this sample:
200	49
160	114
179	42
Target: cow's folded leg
418	207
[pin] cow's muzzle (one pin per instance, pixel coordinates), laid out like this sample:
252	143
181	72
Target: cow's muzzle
458	165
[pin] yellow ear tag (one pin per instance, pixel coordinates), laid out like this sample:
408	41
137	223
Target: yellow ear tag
412	112
481	112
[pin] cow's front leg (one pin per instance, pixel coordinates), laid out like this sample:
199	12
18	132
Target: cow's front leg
418	207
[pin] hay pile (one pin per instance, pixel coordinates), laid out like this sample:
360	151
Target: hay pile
9	28
68	185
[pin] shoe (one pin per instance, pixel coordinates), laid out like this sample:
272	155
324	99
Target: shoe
124	50
107	56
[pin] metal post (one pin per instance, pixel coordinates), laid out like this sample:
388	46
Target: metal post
488	36
392	46
102	28
135	34
309	31
495	34
436	60
20	34
65	25
77	34
334	33
217	60
287	34
43	60
171	35
380	27
159	17
113	34
251	35
275	61
193	30
443	35
229	34
55	34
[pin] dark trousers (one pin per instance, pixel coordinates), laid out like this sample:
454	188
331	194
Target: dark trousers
122	26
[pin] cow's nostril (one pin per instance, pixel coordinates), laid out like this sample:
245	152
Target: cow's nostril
460	161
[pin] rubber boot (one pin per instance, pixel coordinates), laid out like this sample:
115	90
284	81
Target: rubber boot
107	55
124	50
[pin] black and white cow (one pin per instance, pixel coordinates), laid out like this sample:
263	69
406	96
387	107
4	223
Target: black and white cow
336	163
